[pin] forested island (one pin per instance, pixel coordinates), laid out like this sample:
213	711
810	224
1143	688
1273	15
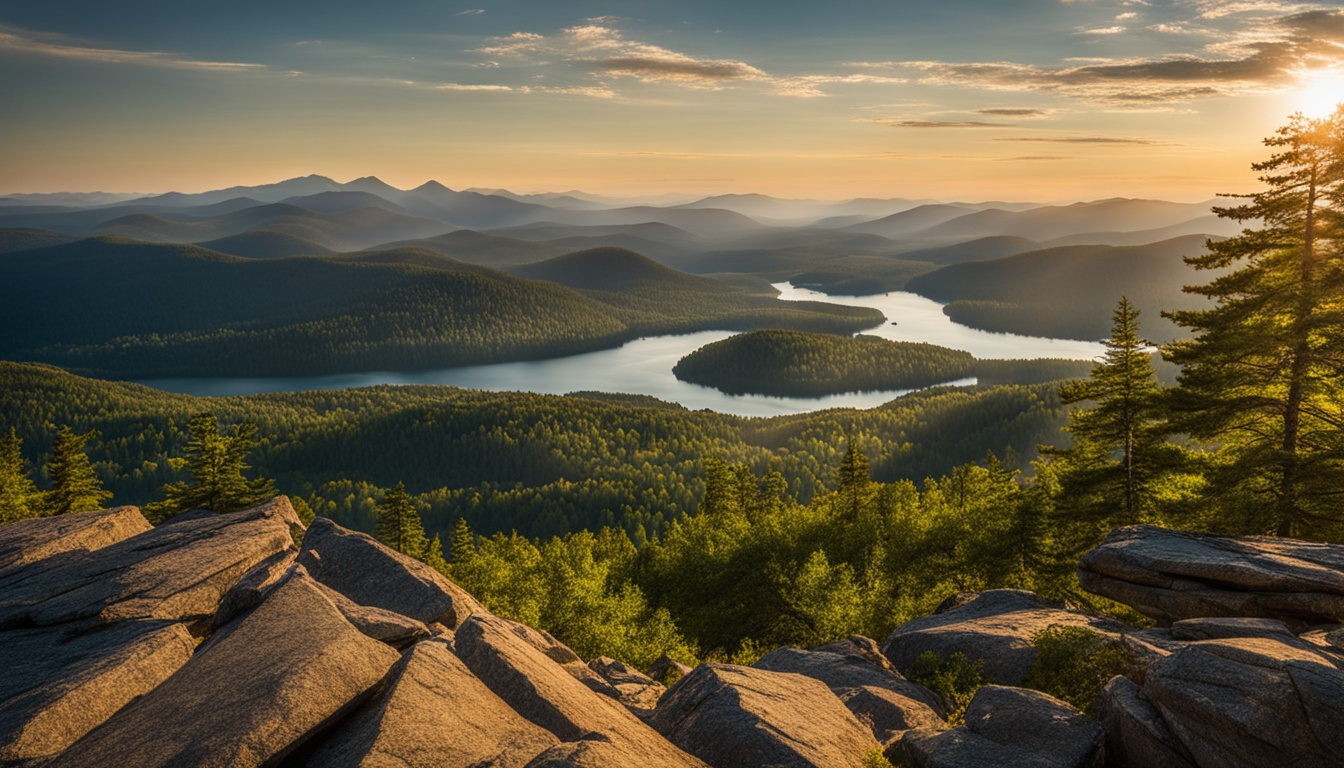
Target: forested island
797	364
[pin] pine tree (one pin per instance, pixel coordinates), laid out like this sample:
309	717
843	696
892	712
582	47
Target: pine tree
1261	377
434	555
462	543
853	483
217	464
18	494
74	486
1120	450
399	525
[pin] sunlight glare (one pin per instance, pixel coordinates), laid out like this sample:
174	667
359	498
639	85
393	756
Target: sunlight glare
1322	91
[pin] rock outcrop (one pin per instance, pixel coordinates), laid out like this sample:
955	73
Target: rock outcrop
29	541
1007	726
291	666
994	628
57	684
215	641
433	712
1250	702
541	690
737	717
362	569
880	698
1173	575
178	572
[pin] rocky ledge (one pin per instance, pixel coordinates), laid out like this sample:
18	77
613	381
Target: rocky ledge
217	640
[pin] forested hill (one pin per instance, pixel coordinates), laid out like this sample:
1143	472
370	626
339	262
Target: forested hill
1068	292
539	464
612	269
123	308
798	364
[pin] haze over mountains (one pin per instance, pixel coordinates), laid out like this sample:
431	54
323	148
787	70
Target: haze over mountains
363	274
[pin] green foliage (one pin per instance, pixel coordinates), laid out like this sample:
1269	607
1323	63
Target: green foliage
875	759
575	587
399	525
1262	375
1121	469
1074	663
539	464
74	486
796	364
434	555
18	494
216	463
955	679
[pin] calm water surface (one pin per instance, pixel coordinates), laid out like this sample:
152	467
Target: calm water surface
644	366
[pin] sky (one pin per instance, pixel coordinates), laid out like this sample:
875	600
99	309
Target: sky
1045	100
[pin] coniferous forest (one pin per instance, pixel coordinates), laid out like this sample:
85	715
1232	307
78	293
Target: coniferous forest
633	528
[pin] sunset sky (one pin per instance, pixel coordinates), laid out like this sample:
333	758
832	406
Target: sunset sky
962	99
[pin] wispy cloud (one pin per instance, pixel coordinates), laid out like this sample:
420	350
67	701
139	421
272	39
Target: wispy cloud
1262	55
38	44
1102	30
899	123
605	52
462	87
470	12
1033	158
1078	140
1015	112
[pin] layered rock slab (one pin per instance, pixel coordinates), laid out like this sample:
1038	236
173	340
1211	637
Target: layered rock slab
1245	702
282	672
433	713
880	698
178	572
1008	726
58	685
371	574
1174	575
741	717
542	691
24	542
994	628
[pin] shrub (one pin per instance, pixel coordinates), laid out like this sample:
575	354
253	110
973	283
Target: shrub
1073	663
956	680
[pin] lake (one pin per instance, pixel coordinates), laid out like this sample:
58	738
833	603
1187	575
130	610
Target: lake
644	366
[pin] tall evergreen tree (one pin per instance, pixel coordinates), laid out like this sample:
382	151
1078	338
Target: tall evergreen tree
853	482
74	486
462	544
18	494
399	525
434	555
217	464
1261	377
1120	450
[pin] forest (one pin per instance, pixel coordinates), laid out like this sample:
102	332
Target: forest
798	364
633	529
130	309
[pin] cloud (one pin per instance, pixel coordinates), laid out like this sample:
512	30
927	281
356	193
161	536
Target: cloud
1033	158
1078	140
679	68
1014	112
896	123
605	51
20	41
461	87
1262	55
1102	31
471	12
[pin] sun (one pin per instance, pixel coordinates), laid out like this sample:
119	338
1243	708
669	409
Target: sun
1321	92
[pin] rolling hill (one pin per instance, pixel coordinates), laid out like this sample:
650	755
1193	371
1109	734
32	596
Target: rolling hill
980	249
1069	291
265	244
119	307
479	248
1048	222
913	220
21	239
